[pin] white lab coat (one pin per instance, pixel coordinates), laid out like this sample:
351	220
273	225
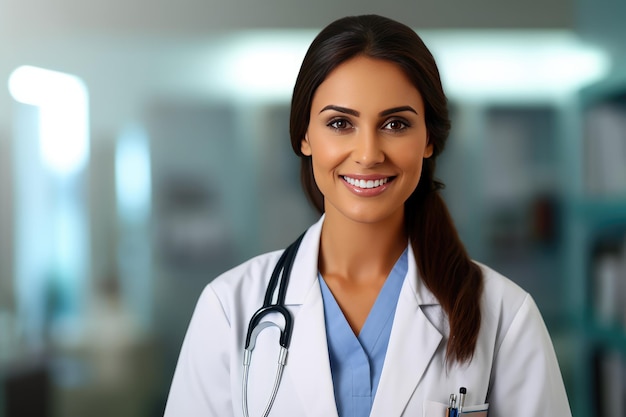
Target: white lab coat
514	367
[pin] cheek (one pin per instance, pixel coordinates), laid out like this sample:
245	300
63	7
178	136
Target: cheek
326	155
412	167
323	167
418	170
412	157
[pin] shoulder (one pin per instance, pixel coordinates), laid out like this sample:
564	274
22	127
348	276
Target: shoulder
244	281
229	298
499	292
248	281
239	291
505	303
248	270
524	372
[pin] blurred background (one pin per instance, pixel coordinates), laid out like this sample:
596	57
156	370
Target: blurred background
144	150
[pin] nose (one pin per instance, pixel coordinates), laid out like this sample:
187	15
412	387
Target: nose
368	150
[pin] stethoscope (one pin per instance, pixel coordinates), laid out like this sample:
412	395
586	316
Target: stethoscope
281	273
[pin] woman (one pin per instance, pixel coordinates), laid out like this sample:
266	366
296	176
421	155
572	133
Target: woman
390	316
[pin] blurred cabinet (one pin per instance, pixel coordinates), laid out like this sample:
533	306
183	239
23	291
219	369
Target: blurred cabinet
596	221
523	194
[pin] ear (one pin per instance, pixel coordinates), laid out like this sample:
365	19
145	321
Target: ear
305	146
428	152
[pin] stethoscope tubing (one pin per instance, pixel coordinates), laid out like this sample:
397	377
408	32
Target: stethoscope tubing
280	277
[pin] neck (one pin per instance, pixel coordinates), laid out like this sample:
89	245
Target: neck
360	251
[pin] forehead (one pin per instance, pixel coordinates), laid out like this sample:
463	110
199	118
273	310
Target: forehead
364	83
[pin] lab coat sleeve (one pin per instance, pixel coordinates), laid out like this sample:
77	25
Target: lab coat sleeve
526	379
200	386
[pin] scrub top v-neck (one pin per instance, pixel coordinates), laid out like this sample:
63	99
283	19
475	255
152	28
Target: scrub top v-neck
357	361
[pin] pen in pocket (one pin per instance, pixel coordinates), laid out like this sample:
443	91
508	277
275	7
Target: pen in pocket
452	410
462	393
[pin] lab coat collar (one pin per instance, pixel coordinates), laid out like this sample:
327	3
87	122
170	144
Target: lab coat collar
413	342
304	273
423	296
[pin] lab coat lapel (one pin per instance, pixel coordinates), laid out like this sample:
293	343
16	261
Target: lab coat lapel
412	345
308	360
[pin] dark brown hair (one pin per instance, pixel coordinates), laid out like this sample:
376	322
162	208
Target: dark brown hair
441	258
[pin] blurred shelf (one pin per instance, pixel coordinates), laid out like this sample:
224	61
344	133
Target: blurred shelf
607	336
600	210
600	205
595	222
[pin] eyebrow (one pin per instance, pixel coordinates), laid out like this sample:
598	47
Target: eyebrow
357	114
397	110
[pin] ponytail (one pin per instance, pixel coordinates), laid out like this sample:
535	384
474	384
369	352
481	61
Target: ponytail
445	267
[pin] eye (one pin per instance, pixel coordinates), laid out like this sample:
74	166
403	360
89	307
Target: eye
396	125
339	124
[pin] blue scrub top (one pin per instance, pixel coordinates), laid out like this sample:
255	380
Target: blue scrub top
356	362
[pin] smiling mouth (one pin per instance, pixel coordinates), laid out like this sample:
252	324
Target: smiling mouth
367	183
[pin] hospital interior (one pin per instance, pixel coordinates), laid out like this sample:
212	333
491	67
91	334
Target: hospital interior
144	149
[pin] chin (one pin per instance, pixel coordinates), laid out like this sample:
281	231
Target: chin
372	217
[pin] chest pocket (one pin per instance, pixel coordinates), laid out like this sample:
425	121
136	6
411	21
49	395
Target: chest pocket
435	409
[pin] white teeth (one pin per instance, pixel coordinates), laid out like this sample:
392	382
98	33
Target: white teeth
364	183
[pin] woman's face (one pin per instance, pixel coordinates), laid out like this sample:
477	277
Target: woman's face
367	139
